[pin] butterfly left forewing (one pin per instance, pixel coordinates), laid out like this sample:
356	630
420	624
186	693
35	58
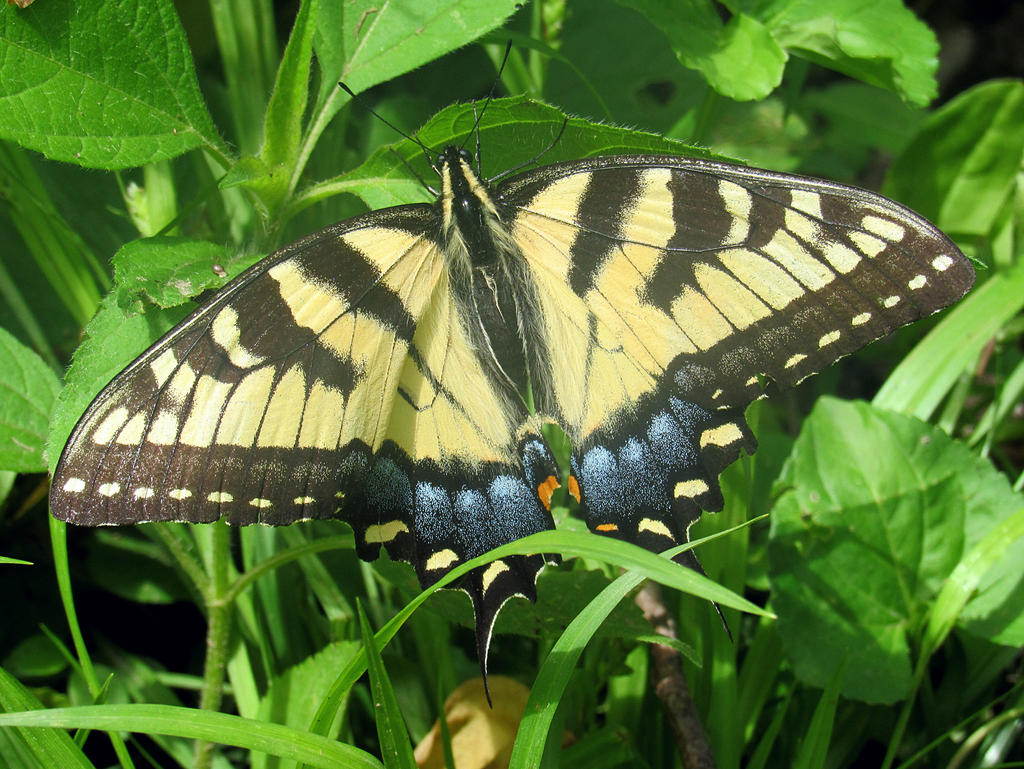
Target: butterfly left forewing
243	408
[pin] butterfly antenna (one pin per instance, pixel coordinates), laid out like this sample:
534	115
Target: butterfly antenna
429	188
426	150
490	95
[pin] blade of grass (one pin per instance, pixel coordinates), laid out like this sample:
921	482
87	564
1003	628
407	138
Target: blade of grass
201	725
395	747
557	669
953	597
51	747
814	745
68	264
247	43
59	544
586	545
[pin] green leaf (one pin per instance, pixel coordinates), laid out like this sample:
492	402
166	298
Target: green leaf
739	59
169	271
881	42
35	657
641	84
282	129
365	42
28	390
102	85
861	119
875	511
965	581
249	171
512	133
287	105
112	563
293	696
964	163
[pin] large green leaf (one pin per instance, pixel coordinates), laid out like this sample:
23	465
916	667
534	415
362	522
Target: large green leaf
169	271
739	58
876	510
102	85
363	43
513	133
880	42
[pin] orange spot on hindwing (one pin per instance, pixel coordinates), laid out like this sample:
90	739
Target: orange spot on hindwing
546	489
574	488
606	527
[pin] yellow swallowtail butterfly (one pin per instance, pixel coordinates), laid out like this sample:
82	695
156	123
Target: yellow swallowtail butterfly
372	371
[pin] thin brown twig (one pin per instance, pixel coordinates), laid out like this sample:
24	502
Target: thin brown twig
670	684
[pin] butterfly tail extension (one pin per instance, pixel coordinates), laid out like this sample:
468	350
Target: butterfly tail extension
437	517
490	587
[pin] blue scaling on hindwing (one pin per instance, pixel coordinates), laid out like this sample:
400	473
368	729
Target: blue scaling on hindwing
385	497
434	523
437	517
598	474
388	491
491	506
648	486
538	463
668	438
516	510
636	458
474	523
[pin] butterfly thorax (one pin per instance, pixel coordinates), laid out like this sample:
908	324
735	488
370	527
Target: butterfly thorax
472	226
487	269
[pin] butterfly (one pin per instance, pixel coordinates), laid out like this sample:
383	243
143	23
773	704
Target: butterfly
375	371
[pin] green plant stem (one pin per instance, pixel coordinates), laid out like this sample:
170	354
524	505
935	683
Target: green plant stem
218	633
59	544
904	716
248	49
185	560
343	542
